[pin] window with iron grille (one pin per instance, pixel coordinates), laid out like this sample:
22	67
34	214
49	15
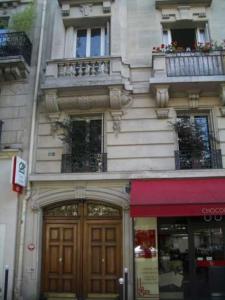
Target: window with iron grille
196	142
86	147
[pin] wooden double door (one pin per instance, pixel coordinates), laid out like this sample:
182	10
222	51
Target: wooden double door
82	246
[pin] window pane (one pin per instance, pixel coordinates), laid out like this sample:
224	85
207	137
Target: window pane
81	43
96	42
202	36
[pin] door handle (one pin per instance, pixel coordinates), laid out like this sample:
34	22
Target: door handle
60	259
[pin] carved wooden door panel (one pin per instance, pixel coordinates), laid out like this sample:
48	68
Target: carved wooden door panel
103	258
82	250
61	264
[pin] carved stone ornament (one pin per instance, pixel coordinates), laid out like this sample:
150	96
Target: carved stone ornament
86	9
65	9
162	96
184	12
193	99
106	6
51	101
222	94
119	98
116	117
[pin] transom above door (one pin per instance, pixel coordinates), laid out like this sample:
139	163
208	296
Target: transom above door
82	248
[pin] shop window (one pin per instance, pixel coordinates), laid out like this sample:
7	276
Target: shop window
86	146
185	39
91	42
196	143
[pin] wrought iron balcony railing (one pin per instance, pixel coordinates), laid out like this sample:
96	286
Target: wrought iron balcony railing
90	162
209	159
195	64
15	44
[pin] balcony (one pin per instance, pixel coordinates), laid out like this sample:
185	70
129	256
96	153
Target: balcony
90	162
189	69
165	3
15	55
78	72
209	159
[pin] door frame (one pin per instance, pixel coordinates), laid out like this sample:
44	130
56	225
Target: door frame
83	219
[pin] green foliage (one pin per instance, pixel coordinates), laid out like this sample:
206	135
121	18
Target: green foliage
22	21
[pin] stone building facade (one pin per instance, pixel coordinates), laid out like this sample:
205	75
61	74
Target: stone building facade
128	87
18	60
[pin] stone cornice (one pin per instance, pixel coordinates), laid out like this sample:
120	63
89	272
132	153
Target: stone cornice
165	3
105	176
8	153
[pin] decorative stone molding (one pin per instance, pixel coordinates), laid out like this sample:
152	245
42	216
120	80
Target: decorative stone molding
116	117
162	95
184	13
193	99
116	99
86	9
222	111
222	93
162	100
106	6
65	9
119	97
51	101
57	195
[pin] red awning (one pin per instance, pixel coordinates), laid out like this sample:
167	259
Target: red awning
178	197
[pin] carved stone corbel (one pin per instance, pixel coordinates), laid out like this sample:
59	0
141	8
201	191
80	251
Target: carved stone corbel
193	98
116	117
222	97
222	94
106	6
162	100
119	98
65	9
51	101
86	9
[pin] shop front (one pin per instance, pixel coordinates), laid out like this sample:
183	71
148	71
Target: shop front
179	238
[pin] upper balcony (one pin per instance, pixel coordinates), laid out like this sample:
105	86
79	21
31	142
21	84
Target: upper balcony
188	70
84	72
15	55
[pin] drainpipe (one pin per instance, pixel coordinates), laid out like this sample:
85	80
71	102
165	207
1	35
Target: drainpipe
18	281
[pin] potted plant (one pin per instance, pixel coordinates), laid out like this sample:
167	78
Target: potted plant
193	141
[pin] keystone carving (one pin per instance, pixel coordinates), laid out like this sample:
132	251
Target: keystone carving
116	117
86	9
193	99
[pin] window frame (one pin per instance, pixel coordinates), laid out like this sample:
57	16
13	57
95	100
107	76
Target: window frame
198	28
104	40
93	117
